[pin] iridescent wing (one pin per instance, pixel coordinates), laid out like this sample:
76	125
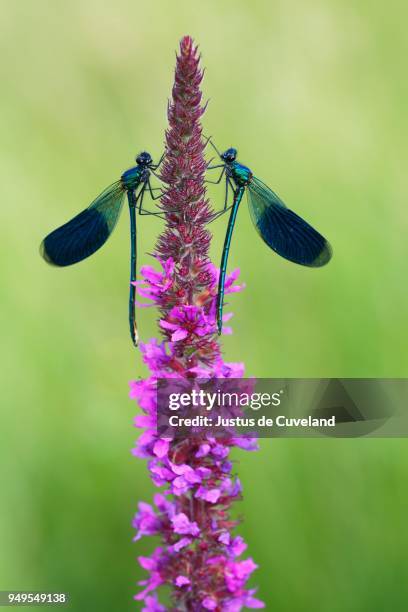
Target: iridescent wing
85	233
283	230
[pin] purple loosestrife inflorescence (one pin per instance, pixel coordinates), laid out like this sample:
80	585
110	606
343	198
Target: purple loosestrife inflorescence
199	557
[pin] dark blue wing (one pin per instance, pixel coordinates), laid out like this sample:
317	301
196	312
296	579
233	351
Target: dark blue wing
85	233
283	230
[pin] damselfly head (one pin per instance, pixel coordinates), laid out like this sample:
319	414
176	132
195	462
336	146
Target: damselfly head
144	159
229	155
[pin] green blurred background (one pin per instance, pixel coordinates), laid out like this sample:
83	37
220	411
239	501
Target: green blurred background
314	96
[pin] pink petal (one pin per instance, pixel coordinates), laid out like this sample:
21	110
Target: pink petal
180	334
161	447
167	325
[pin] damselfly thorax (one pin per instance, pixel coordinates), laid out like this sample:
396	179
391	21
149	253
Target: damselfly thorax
241	175
134	177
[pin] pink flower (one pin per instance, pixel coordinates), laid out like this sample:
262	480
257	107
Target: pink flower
237	573
152	604
187	322
155	284
161	447
180	544
181	581
237	547
209	603
198	557
181	524
211	495
145	521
